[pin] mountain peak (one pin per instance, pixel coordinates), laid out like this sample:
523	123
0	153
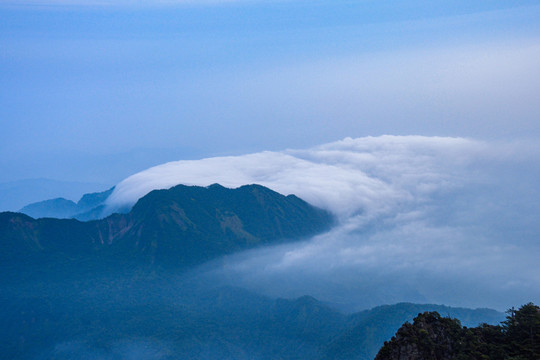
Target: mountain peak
179	227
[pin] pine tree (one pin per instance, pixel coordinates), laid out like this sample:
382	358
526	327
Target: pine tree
522	329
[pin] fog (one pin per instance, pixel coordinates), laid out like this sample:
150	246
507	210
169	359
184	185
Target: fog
371	174
421	219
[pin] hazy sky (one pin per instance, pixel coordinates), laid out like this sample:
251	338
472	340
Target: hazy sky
97	90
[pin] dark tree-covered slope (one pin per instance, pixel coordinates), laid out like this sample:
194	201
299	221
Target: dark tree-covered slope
432	337
369	329
179	227
179	319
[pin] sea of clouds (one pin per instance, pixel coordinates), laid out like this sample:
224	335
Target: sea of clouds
420	219
370	174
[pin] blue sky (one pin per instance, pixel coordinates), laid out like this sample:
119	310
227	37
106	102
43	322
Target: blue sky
97	90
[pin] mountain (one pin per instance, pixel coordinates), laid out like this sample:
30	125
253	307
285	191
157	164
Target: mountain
56	208
431	336
16	194
369	329
87	208
114	317
126	286
179	227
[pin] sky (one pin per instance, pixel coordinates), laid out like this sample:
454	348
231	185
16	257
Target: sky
94	91
415	122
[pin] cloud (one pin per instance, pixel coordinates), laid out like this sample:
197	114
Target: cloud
367	174
422	219
393	262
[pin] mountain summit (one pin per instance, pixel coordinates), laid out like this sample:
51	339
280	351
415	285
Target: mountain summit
178	227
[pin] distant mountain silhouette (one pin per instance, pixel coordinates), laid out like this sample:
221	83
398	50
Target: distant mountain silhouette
16	194
89	207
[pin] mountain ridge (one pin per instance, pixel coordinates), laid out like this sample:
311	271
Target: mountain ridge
191	318
181	226
432	336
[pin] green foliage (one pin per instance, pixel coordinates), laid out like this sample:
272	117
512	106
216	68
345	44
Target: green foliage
518	337
371	328
175	228
522	331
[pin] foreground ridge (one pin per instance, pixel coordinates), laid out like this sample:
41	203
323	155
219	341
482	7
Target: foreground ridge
433	337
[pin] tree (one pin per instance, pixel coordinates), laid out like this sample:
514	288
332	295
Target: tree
522	329
433	337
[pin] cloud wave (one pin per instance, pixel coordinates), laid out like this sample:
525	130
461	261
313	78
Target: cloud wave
368	174
422	219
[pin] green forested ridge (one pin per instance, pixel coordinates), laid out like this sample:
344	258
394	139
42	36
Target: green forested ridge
179	227
431	336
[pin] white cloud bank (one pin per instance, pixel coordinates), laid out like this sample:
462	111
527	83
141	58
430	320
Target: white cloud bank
423	219
367	174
